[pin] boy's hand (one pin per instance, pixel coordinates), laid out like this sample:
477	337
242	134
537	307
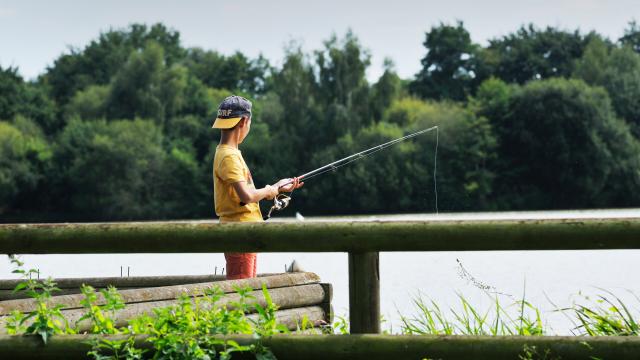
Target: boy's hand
272	192
288	185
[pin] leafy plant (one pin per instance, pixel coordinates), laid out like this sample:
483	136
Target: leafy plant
189	329
533	353
101	323
340	325
45	320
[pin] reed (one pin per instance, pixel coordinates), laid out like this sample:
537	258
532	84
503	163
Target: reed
430	319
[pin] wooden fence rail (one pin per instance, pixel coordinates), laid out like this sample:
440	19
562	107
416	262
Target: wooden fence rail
198	237
368	347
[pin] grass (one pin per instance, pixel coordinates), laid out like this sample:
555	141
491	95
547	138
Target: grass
605	315
602	315
431	319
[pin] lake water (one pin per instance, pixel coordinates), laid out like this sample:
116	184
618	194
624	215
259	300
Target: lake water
549	279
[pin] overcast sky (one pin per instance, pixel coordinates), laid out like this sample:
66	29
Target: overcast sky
33	33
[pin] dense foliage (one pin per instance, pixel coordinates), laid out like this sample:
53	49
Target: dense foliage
120	129
190	328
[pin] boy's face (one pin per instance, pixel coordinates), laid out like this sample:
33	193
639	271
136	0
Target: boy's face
244	128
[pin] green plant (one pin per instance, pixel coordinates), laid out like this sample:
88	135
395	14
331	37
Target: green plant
605	317
267	324
340	325
45	320
100	323
468	320
190	329
533	353
430	320
105	349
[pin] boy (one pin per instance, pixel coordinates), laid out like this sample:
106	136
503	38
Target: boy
236	197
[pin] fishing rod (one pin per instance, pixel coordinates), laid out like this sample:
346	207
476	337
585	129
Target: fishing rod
281	201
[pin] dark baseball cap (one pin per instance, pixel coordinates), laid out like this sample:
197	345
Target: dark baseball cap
231	110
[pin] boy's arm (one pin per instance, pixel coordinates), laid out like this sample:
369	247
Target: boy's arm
250	195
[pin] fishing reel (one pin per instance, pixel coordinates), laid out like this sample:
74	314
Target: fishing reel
280	202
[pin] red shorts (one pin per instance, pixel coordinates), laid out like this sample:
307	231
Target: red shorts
241	265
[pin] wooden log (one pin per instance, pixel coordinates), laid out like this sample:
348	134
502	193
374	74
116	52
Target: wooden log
367	347
123	282
301	296
364	293
169	292
327	302
293	318
72	285
197	237
10	295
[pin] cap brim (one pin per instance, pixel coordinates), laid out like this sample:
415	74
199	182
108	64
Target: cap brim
225	123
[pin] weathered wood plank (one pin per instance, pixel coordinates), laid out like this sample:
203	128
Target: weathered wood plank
123	282
169	292
364	293
188	237
368	347
72	285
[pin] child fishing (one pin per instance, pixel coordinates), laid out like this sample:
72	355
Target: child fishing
235	195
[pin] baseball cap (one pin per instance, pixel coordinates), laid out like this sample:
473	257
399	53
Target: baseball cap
231	111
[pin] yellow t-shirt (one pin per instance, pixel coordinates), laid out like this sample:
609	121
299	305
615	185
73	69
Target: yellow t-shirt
228	168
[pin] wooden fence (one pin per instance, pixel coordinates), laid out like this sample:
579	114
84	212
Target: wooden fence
362	240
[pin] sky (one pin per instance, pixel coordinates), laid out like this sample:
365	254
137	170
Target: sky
33	33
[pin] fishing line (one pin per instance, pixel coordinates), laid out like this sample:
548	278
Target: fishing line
435	167
464	274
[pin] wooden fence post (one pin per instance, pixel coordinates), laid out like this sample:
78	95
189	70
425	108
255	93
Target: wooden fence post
364	292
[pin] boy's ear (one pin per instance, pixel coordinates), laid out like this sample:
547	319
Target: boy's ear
243	121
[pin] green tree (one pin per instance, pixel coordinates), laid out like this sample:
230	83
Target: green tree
292	111
466	148
342	85
531	53
492	99
110	170
450	68
622	80
12	93
593	64
401	178
618	71
145	87
182	191
631	36
234	72
197	99
385	91
192	134
24	155
561	146
90	103
99	61
18	97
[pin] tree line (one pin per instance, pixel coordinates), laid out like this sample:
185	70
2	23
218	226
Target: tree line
541	118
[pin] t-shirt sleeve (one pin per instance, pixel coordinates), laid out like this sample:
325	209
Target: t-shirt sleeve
231	169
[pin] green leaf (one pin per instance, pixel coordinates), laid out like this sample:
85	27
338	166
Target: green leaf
20	286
